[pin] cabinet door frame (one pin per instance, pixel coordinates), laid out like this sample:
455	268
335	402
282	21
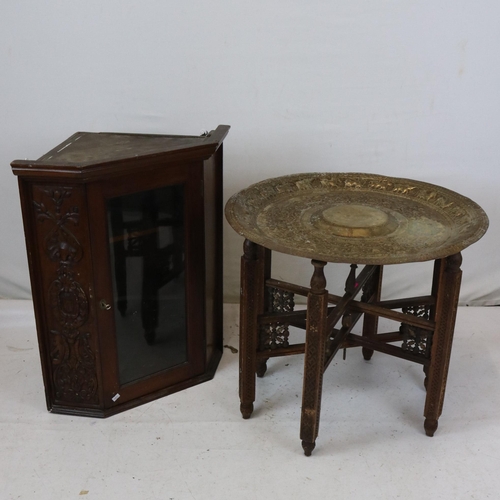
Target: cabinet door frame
190	175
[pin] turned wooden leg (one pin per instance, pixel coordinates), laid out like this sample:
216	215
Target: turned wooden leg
262	362
251	305
447	287
314	362
370	321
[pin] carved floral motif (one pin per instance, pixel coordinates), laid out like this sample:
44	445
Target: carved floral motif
276	335
416	340
74	370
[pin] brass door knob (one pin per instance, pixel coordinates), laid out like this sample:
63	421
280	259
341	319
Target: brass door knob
104	305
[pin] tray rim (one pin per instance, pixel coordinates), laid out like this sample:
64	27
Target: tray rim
389	184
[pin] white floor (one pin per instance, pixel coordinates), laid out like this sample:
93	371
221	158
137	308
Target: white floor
195	445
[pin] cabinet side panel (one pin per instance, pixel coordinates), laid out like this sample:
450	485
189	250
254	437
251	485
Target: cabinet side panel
36	286
213	252
61	240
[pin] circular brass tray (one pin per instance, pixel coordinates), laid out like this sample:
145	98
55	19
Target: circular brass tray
356	218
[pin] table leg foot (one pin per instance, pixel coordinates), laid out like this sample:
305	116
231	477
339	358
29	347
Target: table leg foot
246	410
367	353
430	426
308	448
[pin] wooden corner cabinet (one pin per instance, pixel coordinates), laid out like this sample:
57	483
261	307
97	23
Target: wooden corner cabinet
124	240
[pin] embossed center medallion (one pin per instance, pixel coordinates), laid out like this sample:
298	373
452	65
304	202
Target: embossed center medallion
355	216
358	221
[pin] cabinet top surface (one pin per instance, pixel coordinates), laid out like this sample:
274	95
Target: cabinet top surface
84	150
88	147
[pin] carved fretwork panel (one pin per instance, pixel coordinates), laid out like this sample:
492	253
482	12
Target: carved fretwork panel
65	271
275	335
416	339
280	300
418	311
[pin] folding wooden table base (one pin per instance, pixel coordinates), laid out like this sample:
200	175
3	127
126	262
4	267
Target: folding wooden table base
425	334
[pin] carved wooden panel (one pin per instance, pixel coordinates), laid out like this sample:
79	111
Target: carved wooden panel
65	271
275	335
416	339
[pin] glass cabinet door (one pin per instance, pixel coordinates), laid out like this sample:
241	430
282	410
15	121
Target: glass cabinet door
147	259
149	271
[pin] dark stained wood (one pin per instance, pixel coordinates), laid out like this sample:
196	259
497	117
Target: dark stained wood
253	268
316	331
277	317
261	362
447	288
212	186
296	289
429	319
394	315
370	321
57	235
380	345
348	297
282	351
64	197
374	309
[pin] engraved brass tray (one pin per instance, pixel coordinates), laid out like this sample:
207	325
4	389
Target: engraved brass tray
356	218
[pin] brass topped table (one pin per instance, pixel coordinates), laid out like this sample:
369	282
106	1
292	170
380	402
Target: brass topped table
355	219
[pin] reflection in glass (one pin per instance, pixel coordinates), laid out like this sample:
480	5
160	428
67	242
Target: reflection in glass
147	262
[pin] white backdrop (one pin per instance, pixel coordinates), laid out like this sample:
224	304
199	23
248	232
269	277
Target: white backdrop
406	88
